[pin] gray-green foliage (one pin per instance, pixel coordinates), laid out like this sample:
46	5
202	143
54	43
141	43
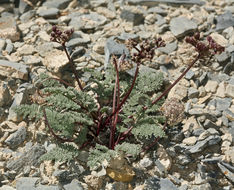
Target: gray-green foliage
69	112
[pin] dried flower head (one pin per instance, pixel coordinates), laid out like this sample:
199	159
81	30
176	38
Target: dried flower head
145	50
204	48
173	110
61	37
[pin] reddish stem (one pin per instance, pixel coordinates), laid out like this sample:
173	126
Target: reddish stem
73	66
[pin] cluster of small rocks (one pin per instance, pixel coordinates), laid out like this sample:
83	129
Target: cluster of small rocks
198	153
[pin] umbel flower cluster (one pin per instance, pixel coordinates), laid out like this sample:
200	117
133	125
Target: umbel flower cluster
113	112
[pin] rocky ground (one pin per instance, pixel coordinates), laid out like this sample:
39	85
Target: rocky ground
198	153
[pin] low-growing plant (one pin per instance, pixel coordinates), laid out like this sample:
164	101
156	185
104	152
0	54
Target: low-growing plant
112	107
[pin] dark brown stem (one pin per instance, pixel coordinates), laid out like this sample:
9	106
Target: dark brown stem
176	81
52	132
73	66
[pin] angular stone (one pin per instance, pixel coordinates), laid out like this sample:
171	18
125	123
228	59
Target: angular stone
8	29
26	183
29	158
219	39
221	89
6	187
181	26
87	21
230	90
211	86
229	174
59	4
5	96
26	50
193	93
153	3
74	185
48	13
169	48
15	70
224	21
190	140
229	114
55	60
17	137
223	104
178	91
155	183
129	16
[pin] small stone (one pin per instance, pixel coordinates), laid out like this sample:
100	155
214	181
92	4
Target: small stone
179	92
153	3
211	86
156	183
190	140
6	187
209	124
26	50
25	183
219	39
226	172
224	21
129	16
74	185
55	61
8	29
229	114
193	93
183	160
221	89
5	96
223	104
169	48
204	135
230	91
99	47
15	70
189	75
17	137
49	13
145	162
181	26
59	4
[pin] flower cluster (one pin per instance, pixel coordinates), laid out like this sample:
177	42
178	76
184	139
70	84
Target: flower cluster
204	48
145	49
61	37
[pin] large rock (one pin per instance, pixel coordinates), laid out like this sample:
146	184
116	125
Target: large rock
12	69
8	29
181	26
29	158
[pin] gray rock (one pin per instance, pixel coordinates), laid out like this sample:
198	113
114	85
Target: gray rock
209	124
201	145
229	67
17	137
189	75
2	45
135	18
157	10
27	183
74	185
7	187
203	78
223	103
229	114
15	70
145	162
125	36
59	4
78	52
181	26
152	3
113	48
8	29
45	187
63	176
193	93
224	21
160	20
229	174
223	57
87	21
24	7
183	187
27	16
5	96
160	167
183	160
49	13
77	42
169	48
213	160
29	158
23	91
155	183
9	46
